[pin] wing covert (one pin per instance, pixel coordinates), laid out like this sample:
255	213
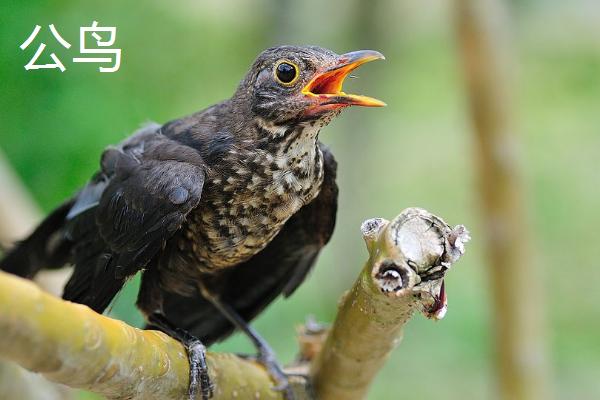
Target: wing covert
127	213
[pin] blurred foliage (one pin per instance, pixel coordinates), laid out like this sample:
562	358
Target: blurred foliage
184	55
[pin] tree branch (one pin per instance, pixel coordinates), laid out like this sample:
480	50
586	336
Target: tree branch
69	343
408	258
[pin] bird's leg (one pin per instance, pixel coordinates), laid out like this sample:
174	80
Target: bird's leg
266	355
196	351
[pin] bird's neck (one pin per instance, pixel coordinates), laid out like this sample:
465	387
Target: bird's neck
290	147
282	137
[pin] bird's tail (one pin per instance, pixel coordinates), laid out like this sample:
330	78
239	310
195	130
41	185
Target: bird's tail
45	248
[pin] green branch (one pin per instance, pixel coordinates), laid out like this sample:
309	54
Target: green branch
408	258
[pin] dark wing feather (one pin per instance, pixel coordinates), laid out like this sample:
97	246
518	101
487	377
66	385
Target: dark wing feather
127	213
278	269
46	247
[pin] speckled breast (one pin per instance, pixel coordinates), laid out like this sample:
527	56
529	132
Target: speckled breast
248	203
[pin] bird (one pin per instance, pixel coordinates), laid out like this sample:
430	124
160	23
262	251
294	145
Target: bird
221	211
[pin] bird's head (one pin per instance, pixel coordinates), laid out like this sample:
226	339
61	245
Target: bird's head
290	84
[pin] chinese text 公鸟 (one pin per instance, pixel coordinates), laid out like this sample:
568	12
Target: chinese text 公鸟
105	37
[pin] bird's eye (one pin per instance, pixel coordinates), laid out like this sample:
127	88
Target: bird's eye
286	73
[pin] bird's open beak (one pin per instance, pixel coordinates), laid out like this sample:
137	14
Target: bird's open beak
326	87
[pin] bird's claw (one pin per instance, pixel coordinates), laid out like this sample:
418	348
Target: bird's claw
199	377
267	359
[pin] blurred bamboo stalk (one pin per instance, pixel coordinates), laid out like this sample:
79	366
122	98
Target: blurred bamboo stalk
18	216
18	211
515	280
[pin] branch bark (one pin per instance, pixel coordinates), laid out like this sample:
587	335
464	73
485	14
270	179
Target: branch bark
408	258
70	344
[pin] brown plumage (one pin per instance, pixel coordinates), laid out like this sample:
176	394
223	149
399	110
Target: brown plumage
222	211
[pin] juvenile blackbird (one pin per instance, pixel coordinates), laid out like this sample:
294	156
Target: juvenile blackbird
222	210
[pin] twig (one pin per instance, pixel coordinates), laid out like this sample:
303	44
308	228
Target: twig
408	258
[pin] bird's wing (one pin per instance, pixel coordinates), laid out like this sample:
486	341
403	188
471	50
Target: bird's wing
278	269
124	217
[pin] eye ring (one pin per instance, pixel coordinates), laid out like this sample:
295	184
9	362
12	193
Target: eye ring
281	75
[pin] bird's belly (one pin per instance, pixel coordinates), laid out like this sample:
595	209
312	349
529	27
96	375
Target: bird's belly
247	204
226	233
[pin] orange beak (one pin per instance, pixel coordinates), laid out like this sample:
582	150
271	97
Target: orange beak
326	87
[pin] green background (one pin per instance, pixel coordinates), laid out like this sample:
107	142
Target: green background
181	56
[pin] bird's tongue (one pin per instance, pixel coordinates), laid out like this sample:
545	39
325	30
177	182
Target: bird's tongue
327	89
329	82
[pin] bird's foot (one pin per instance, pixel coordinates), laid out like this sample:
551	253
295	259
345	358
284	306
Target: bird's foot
267	358
199	378
196	352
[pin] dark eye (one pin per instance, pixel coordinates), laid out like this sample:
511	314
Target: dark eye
286	72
